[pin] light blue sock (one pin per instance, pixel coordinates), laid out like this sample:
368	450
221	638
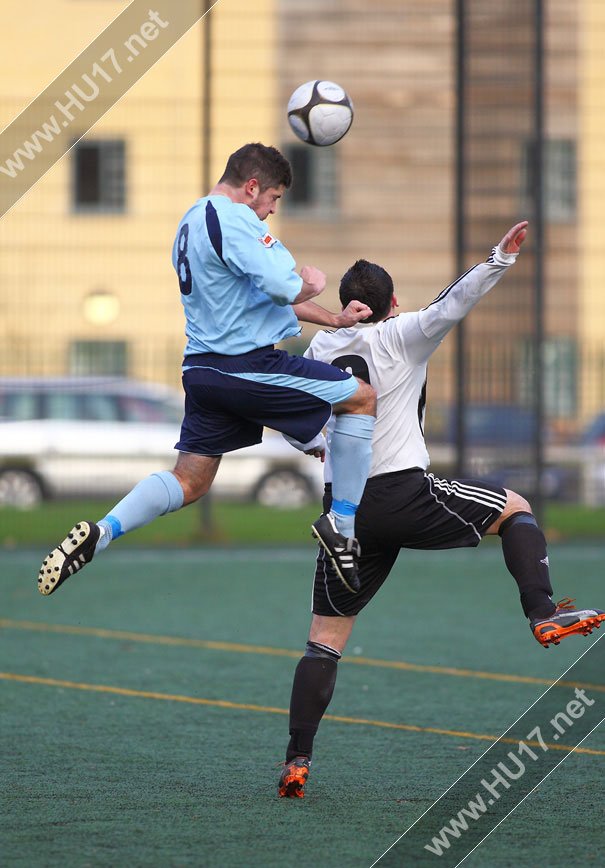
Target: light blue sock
154	496
351	457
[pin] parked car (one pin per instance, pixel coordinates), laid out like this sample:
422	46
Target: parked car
557	483
97	437
594	433
500	440
486	425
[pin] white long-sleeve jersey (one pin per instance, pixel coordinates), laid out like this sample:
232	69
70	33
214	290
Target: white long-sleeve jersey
393	354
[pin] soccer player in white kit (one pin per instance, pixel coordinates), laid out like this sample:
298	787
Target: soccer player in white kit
403	505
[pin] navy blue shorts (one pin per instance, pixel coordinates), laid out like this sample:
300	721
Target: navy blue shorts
230	399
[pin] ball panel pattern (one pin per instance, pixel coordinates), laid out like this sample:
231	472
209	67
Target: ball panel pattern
320	112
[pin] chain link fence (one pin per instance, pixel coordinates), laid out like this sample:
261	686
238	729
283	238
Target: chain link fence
443	156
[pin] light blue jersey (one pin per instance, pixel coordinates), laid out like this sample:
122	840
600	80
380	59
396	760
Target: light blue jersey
237	281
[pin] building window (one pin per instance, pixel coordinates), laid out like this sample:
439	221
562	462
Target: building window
560	182
314	190
99	176
105	358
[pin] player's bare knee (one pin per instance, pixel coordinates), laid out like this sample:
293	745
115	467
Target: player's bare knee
515	503
332	632
195	474
362	402
194	487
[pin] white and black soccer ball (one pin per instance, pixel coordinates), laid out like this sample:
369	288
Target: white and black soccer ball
320	112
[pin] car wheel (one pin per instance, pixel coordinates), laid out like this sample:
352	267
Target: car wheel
284	488
19	488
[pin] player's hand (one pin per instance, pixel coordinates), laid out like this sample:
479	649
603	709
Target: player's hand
314	280
316	448
317	453
353	313
514	238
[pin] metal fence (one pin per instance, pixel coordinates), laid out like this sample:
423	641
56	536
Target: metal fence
498	409
470	114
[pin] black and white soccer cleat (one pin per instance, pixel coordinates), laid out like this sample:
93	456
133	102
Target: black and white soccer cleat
344	552
76	550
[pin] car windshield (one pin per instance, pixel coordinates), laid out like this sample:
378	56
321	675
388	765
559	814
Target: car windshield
136	409
78	406
93	405
19	406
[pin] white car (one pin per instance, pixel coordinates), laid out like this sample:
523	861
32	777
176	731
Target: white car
97	437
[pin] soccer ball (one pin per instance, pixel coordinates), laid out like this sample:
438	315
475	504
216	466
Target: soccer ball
320	112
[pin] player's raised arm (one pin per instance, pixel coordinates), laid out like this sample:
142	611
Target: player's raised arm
457	299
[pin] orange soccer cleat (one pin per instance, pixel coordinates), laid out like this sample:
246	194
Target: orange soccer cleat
294	777
565	621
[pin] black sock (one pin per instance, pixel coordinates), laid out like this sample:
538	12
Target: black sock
312	690
524	550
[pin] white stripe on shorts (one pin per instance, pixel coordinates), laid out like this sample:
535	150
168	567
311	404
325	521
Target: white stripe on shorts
431	479
323	557
483	496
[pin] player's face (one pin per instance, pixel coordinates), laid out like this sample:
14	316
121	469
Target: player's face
265	202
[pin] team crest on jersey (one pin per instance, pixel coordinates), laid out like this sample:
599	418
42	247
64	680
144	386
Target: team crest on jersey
268	240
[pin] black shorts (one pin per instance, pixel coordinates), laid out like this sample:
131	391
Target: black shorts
408	509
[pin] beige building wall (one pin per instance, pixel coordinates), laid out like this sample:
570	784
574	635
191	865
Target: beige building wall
591	189
563	89
52	258
394	169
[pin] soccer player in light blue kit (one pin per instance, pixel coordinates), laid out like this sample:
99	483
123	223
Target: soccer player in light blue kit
241	295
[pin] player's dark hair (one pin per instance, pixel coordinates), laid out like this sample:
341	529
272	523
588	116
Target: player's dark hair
266	164
370	284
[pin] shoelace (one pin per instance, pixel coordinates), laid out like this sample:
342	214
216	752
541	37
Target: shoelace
565	603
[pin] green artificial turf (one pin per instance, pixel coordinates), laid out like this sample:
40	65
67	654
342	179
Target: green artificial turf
144	710
220	523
